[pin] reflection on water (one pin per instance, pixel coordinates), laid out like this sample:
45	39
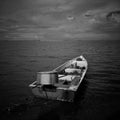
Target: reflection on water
99	94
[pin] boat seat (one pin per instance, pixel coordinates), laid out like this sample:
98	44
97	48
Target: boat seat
67	78
72	70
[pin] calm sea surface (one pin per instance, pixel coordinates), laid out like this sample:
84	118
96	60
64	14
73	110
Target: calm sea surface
99	96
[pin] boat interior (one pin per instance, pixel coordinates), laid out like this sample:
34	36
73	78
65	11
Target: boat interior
69	75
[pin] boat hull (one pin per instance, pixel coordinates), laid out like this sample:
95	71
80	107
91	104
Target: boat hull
58	94
62	92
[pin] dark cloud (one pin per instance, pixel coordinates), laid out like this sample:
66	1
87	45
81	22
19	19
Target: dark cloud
53	18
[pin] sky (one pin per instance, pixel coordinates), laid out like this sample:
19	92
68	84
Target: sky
60	19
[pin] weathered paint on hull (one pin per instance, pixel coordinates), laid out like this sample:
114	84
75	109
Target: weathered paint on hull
59	94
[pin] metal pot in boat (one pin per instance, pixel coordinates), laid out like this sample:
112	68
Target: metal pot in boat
47	78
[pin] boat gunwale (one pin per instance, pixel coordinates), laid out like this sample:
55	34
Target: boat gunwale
72	87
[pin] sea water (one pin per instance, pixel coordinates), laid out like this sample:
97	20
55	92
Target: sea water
99	96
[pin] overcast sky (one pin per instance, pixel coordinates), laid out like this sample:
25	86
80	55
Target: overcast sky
59	19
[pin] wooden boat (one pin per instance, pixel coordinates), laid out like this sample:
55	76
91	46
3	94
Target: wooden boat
61	83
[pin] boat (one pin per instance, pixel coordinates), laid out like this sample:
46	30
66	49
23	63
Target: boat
62	82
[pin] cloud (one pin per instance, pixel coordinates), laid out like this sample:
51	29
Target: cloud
49	19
